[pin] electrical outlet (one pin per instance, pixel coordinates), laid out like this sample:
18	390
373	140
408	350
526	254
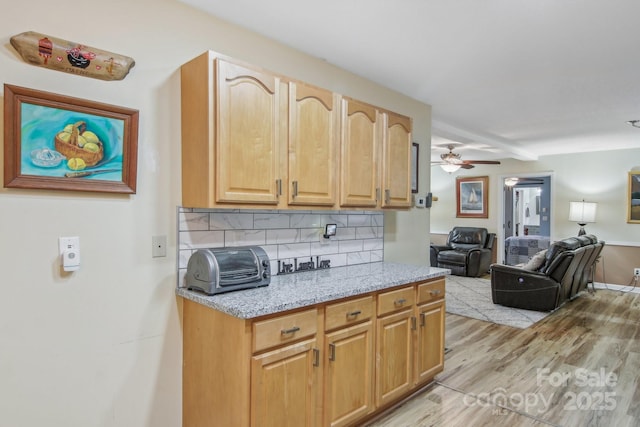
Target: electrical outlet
636	271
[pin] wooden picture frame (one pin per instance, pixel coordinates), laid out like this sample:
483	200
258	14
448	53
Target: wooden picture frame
633	198
415	161
472	197
57	142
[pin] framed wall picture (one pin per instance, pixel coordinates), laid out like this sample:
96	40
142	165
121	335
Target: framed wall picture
415	152
472	197
57	142
633	196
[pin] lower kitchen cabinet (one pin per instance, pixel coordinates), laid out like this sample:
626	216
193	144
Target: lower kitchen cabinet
430	343
395	357
349	374
331	364
410	331
284	386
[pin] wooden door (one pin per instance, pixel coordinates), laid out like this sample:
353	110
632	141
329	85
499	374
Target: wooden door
396	170
314	123
349	374
394	370
430	342
359	179
247	135
284	386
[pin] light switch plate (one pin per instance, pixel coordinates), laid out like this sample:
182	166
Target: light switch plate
69	248
68	243
158	246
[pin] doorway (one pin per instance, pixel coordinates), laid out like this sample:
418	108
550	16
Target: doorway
526	216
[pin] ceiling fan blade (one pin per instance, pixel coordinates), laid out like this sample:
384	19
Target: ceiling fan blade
466	166
482	162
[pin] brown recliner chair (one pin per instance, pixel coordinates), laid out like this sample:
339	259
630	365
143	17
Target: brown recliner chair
467	252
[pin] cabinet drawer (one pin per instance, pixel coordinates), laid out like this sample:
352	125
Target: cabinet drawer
431	291
284	329
396	300
348	312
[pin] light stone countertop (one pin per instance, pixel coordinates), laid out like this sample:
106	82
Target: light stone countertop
296	290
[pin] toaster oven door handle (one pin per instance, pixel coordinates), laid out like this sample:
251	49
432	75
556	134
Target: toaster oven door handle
290	330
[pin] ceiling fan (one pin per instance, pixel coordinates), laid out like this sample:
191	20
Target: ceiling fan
451	161
512	181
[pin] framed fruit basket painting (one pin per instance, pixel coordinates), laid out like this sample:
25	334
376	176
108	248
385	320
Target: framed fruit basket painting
57	142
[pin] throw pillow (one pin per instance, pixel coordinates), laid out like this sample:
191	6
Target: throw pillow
536	261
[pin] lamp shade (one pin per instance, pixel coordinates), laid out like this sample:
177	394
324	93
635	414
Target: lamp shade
582	212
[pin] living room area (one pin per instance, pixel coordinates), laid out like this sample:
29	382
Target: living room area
573	364
603	177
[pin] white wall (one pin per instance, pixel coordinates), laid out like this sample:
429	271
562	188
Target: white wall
102	346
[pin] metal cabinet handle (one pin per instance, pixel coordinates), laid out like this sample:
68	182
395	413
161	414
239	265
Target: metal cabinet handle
387	196
435	292
316	357
413	323
354	313
400	301
278	187
294	184
377	194
289	331
423	320
332	352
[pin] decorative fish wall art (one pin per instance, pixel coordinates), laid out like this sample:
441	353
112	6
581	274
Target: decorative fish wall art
70	57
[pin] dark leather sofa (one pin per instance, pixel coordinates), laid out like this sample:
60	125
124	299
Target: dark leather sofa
467	251
564	273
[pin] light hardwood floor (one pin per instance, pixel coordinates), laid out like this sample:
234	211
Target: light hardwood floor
580	366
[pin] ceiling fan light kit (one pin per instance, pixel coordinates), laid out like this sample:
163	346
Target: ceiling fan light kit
450	167
451	161
510	182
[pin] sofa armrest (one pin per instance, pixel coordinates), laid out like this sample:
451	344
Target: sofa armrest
515	287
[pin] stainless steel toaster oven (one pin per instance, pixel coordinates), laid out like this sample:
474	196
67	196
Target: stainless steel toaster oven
217	270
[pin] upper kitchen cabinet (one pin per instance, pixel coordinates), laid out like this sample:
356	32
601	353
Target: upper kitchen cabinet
255	139
314	138
376	157
396	161
360	150
234	119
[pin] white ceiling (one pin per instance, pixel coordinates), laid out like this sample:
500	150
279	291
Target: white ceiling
505	78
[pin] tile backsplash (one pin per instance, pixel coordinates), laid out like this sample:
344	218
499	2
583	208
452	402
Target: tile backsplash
284	235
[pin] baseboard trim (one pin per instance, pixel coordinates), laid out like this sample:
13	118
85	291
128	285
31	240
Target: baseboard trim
634	289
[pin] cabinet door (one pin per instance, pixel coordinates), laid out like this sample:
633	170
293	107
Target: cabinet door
247	135
360	150
284	386
395	356
430	343
349	374
313	144
396	169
